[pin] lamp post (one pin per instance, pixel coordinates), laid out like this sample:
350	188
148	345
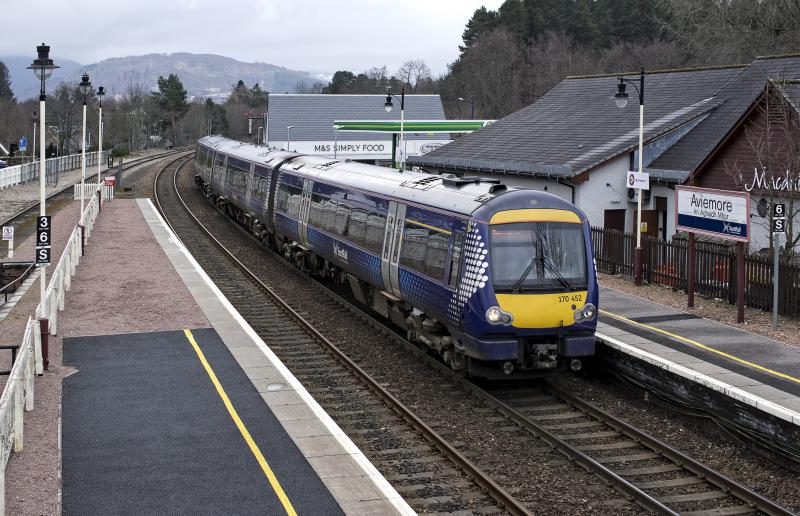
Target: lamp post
471	101
288	135
43	67
621	99
100	94
86	88
35	118
336	141
388	107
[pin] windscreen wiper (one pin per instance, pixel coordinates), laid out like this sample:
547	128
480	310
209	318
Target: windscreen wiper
517	284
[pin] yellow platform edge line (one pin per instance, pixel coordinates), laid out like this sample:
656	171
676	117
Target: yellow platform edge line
273	480
704	347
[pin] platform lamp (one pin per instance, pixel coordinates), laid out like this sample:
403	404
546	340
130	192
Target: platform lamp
621	99
100	94
35	118
471	101
86	88
388	107
43	67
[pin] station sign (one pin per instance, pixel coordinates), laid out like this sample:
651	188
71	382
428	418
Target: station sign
779	218
639	180
719	213
8	233
43	240
23	144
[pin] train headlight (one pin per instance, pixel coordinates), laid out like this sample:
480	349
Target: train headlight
496	315
589	311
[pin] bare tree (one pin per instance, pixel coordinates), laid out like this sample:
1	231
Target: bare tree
413	73
308	87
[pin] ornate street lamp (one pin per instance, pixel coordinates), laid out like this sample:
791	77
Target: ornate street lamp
621	99
43	67
86	88
100	94
388	107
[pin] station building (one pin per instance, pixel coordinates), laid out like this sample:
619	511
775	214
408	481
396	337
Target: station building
311	118
730	127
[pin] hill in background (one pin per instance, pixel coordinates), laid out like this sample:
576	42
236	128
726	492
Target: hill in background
203	75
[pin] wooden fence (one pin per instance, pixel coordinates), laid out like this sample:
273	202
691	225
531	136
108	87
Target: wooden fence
665	263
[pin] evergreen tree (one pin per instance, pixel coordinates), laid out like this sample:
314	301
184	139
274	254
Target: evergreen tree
5	83
171	99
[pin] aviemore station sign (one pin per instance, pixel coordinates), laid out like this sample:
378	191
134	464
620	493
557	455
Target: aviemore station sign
720	213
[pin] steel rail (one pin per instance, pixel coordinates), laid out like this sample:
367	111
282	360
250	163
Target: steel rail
135	163
499	494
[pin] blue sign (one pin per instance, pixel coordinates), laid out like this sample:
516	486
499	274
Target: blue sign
720	213
23	144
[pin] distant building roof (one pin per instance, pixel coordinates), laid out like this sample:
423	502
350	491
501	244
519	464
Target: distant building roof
577	126
312	115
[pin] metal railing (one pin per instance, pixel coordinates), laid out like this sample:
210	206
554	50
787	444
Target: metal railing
25	269
18	395
17	174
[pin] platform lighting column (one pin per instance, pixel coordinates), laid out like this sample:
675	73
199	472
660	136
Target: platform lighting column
621	99
35	118
43	67
288	135
86	88
100	94
471	101
388	105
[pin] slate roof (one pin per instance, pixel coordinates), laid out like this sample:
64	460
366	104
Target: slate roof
737	97
312	115
577	126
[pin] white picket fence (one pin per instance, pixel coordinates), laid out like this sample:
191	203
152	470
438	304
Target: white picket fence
17	174
90	189
17	397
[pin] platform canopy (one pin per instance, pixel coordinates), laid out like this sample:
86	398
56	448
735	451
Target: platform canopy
411	126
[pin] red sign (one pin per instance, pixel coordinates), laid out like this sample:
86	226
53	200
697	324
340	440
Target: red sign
110	181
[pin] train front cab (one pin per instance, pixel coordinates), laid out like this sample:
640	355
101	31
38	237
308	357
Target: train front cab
532	293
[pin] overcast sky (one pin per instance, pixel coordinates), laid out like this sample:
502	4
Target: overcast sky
311	35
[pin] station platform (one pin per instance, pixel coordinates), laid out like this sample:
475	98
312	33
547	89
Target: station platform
750	370
176	406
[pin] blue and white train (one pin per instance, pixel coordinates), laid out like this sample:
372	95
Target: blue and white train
499	281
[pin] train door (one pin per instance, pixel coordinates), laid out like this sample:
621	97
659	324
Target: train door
248	186
305	207
393	240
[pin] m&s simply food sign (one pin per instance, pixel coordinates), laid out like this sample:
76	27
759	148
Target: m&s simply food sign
720	213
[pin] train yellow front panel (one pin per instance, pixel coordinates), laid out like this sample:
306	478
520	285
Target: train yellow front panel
542	310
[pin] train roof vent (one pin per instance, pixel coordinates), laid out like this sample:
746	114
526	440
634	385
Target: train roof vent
494	191
327	164
423	183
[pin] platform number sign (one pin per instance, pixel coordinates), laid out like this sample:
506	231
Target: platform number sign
779	218
43	240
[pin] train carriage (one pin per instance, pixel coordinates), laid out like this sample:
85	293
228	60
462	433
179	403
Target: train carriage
500	282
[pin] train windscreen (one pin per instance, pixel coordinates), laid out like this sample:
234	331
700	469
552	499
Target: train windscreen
538	256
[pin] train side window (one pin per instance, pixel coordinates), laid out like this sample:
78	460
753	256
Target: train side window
415	243
376	227
357	226
455	259
315	215
436	254
342	218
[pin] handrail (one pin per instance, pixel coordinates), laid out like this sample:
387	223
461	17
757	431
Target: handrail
6	289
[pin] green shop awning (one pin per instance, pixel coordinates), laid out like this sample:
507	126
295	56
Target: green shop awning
411	126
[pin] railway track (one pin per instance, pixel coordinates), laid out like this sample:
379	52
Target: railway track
428	470
31	207
644	470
